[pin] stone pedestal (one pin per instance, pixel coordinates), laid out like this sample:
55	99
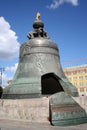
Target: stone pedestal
63	110
33	110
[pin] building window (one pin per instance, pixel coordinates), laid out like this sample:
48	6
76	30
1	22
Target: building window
68	73
74	78
81	84
81	89
86	84
75	83
86	89
74	73
86	77
80	72
81	77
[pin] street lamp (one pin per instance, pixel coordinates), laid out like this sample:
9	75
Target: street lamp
1	72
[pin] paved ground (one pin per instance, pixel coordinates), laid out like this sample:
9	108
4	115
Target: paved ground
21	125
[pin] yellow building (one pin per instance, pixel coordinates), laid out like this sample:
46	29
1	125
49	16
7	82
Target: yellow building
77	75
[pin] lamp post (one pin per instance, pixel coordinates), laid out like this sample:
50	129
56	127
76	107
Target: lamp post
1	72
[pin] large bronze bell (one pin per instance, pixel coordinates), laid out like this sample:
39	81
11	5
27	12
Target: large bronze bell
40	73
39	70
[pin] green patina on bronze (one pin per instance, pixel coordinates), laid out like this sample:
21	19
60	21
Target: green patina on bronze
39	56
65	111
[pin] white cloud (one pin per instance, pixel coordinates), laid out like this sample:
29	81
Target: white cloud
9	46
56	3
5	78
12	68
5	75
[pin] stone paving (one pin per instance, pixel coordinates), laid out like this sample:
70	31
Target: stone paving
21	125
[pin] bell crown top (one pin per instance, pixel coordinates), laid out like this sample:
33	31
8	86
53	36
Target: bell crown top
38	16
38	26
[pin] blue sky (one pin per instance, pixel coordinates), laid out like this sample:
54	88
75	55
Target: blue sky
65	21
